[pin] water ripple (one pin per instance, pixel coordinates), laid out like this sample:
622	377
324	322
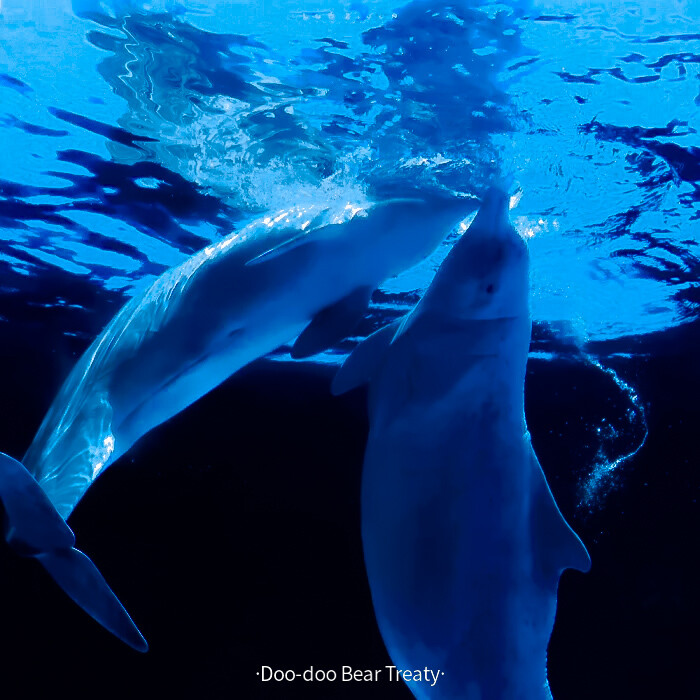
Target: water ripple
188	119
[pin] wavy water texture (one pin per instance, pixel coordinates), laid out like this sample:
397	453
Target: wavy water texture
191	118
134	133
607	144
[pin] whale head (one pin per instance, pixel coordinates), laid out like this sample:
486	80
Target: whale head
486	274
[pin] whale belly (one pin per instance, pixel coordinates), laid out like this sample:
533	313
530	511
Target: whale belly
446	540
139	394
201	378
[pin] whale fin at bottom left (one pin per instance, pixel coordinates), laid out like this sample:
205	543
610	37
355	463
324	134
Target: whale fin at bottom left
75	573
33	527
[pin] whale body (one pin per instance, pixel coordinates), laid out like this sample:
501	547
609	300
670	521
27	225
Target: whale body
463	541
306	273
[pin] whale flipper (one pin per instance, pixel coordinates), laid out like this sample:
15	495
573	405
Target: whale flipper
364	360
75	573
33	527
555	545
332	323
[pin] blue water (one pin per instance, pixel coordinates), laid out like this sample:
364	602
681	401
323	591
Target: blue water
134	133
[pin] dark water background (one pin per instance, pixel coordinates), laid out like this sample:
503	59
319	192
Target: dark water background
129	139
231	534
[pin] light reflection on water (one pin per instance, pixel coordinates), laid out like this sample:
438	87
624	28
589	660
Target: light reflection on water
592	109
135	133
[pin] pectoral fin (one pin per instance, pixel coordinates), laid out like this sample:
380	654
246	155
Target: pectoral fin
332	324
555	545
80	579
364	360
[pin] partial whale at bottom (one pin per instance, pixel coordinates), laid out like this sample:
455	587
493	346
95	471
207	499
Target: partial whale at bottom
463	541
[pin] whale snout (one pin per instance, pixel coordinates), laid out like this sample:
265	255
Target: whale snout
486	274
491	243
493	216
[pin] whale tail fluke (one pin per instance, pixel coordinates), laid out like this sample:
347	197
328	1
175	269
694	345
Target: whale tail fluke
33	527
75	573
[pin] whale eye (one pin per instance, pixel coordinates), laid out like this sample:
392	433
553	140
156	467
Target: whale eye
489	289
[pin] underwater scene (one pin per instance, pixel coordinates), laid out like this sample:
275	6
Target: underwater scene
277	260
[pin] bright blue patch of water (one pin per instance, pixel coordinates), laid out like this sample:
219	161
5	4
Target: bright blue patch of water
134	133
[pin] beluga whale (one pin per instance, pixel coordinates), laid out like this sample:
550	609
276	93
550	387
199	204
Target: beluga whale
463	541
304	273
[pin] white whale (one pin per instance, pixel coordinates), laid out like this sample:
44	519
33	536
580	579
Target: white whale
305	272
463	541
